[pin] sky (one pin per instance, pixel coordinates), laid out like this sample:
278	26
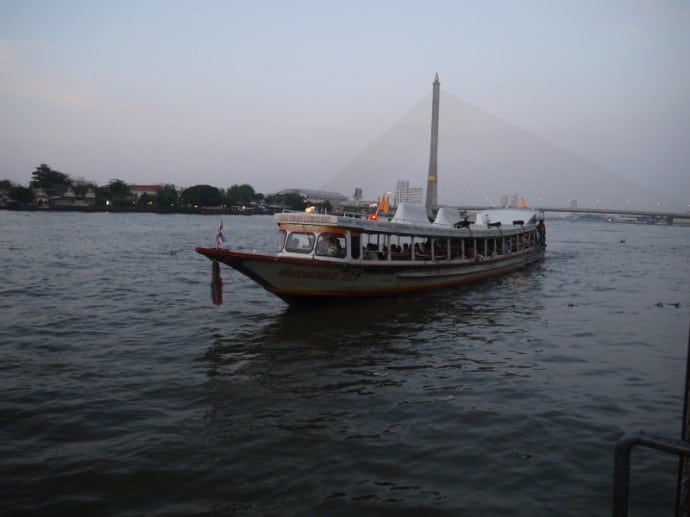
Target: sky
282	94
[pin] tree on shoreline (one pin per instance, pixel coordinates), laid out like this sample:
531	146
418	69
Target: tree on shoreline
117	193
17	193
289	200
240	194
168	197
49	179
202	195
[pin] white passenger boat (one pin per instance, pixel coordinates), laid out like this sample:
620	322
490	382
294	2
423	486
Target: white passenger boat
334	257
328	257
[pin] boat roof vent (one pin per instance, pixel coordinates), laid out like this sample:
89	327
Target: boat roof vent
448	216
410	213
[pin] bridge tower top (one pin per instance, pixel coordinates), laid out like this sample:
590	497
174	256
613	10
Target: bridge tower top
432	177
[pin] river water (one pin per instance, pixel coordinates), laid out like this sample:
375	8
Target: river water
125	390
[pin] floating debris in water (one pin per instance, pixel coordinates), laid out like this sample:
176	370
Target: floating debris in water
672	304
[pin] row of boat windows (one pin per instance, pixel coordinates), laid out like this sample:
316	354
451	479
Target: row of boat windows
382	246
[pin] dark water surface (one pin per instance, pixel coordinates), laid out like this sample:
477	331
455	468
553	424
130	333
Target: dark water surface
126	391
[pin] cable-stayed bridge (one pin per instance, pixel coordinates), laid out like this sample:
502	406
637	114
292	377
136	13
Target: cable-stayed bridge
482	159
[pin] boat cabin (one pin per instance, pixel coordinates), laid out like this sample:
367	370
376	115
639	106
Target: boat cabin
408	236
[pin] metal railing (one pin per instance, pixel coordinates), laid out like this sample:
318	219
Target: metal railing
624	447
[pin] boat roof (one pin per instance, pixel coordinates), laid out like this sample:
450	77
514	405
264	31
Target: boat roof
507	216
411	219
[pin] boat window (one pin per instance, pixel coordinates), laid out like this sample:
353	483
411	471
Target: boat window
470	248
331	245
422	249
374	246
441	249
281	240
300	242
400	248
456	249
355	244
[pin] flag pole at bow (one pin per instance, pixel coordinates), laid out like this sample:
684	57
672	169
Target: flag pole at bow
220	237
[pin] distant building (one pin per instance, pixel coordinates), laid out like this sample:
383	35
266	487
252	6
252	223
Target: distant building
79	196
406	194
41	199
139	190
511	201
318	196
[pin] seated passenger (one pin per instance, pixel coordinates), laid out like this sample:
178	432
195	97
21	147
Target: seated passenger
333	247
322	247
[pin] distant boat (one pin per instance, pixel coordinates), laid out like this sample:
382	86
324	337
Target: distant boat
329	257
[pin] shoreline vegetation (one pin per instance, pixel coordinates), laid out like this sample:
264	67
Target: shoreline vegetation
53	190
262	210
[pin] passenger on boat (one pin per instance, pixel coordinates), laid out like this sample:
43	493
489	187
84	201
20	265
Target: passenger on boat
322	247
333	247
541	230
383	254
370	252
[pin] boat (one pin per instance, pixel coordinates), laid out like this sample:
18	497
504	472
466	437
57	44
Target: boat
328	257
324	257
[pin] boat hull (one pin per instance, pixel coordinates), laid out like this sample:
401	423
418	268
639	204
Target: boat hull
299	281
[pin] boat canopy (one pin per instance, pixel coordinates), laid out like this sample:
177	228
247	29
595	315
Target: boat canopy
410	213
447	216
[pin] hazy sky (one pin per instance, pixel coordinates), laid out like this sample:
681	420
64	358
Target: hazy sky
284	94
